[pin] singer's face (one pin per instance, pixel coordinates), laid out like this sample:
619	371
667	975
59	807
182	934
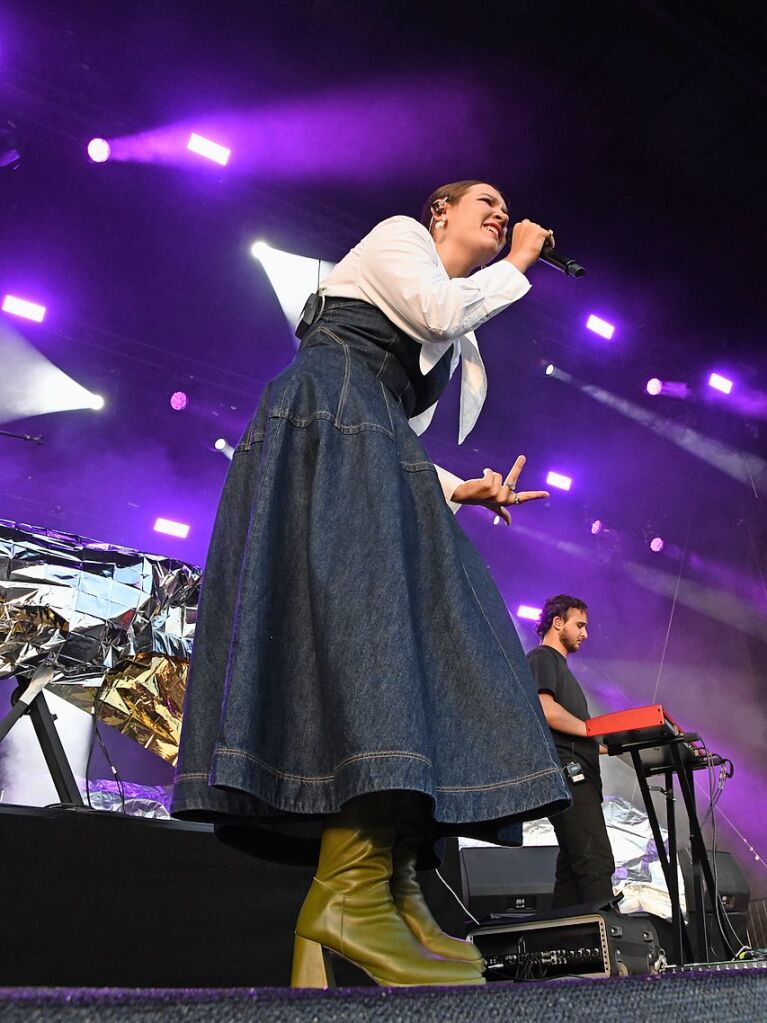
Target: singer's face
479	220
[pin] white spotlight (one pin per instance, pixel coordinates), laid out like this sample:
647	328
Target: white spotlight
99	150
30	385
293	277
259	249
224	447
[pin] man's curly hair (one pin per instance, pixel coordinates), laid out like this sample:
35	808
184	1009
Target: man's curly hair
557	607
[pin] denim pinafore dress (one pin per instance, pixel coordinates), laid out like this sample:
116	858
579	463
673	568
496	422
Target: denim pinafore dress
350	639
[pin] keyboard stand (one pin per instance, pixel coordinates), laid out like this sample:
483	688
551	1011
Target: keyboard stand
30	699
676	766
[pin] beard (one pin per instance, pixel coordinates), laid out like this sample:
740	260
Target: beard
570	645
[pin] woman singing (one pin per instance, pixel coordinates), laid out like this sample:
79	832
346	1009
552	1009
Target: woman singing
355	669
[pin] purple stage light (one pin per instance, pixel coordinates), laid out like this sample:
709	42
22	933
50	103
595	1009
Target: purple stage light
720	383
309	136
531	614
210	150
657	544
597	526
99	150
556	479
171	528
21	307
668	388
178	401
600	326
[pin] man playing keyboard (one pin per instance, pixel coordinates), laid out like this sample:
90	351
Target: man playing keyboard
585	863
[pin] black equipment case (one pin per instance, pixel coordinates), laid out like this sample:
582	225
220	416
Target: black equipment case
603	943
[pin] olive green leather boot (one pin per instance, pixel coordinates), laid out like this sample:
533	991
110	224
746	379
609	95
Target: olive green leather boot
350	912
409	900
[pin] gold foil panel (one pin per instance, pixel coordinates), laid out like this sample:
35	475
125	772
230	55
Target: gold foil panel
108	620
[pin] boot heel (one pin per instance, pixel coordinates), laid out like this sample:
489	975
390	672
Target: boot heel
311	965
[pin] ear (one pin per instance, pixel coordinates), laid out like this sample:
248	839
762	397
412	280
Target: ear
439	207
558	623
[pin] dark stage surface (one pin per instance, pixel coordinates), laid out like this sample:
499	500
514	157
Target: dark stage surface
634	128
725	997
119	919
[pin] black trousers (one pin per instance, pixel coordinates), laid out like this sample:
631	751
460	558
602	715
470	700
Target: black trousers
585	864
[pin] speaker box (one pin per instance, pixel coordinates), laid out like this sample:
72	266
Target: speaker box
734	894
95	899
500	880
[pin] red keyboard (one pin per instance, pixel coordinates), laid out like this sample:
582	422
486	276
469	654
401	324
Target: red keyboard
639	724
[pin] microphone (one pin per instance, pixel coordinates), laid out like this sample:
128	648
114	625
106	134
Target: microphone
551	257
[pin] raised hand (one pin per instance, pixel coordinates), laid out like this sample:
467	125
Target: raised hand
495	493
527	240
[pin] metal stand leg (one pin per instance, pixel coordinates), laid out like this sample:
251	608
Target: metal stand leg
682	950
53	751
677	922
47	736
701	868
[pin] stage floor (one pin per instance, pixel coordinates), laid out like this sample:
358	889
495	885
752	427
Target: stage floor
724	997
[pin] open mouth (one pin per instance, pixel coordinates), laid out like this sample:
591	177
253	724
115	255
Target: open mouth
496	231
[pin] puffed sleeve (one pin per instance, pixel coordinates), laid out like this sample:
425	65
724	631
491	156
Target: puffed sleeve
400	273
449	483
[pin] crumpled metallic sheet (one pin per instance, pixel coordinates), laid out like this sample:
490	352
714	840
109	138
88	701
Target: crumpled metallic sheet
638	875
142	697
108	620
134	800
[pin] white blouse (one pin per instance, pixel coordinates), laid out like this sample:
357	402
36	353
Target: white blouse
396	268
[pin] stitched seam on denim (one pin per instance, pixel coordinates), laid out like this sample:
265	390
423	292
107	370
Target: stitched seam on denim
384	364
500	647
247	446
190	774
235	633
417	466
347	373
344	386
327	417
323	777
321	329
253	438
386	403
357	427
321	413
499	784
280	407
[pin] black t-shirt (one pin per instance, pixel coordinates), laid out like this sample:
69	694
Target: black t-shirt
552	675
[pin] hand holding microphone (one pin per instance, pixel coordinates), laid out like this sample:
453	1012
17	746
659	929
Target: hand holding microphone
530	242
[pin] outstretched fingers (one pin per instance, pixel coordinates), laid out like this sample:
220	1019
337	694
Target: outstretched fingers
531	495
516	469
